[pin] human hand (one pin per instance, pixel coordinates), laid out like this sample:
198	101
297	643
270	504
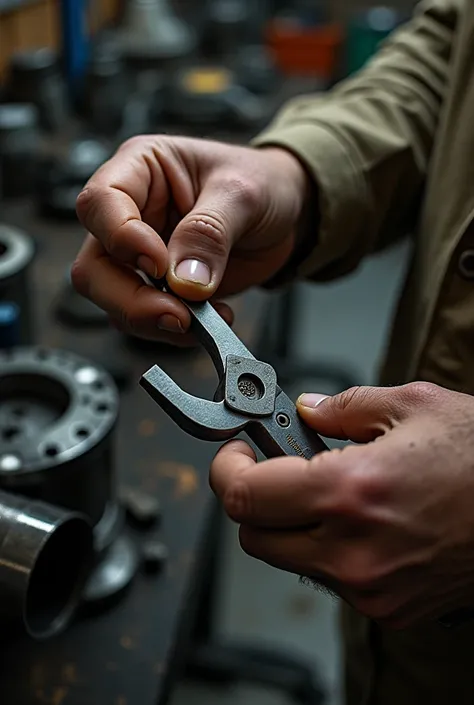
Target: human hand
215	218
387	525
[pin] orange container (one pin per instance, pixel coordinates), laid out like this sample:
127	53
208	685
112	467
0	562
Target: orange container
311	51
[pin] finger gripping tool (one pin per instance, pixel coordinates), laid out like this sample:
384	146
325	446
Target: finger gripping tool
247	399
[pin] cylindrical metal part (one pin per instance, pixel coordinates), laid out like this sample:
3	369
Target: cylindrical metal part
228	27
17	251
45	558
57	415
152	29
64	177
107	90
20	148
35	77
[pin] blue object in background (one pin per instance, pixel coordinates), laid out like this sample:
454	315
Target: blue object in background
75	43
10	328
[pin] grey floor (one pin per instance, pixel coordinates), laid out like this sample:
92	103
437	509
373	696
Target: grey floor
346	321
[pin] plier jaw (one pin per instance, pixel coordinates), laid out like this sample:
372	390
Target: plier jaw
248	397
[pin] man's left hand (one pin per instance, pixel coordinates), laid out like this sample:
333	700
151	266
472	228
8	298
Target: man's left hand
387	524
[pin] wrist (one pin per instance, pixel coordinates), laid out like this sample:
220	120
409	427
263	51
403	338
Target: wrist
291	176
298	185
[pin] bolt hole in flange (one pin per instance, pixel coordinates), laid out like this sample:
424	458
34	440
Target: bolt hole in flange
250	386
82	432
52	450
10	432
3	249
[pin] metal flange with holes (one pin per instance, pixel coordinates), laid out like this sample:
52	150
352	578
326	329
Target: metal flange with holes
17	250
58	412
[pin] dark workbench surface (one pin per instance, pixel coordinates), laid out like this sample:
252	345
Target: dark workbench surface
131	654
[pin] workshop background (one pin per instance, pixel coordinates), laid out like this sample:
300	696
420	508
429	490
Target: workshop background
156	603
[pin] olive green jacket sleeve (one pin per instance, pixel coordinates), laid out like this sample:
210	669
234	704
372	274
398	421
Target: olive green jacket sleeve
367	143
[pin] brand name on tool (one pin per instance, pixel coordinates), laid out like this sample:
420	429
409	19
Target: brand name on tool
293	443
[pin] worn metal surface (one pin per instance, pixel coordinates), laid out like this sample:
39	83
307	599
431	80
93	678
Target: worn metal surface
132	653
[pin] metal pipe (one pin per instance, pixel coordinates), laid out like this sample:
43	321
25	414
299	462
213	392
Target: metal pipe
45	557
58	413
57	416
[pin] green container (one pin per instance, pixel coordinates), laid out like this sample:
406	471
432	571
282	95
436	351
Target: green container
365	32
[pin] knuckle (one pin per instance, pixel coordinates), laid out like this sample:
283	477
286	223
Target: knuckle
117	243
358	491
346	399
206	231
88	202
132	142
246	192
368	486
423	391
80	277
237	501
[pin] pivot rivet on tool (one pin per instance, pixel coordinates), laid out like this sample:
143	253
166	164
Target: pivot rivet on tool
283	420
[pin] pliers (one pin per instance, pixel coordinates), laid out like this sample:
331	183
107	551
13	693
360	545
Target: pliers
247	398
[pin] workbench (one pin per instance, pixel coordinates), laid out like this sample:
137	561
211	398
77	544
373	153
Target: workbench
133	653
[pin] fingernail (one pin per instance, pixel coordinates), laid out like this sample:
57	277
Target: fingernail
170	323
147	265
192	270
311	401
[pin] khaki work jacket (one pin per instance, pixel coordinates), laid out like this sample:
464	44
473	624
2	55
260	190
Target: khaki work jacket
392	151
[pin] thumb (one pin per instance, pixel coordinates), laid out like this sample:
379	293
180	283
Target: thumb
200	245
360	414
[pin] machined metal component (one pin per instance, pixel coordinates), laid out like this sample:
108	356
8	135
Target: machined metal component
17	250
35	77
141	507
247	398
106	90
65	175
45	558
229	26
58	412
20	149
151	29
155	554
113	575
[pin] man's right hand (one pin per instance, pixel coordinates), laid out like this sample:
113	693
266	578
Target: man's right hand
214	218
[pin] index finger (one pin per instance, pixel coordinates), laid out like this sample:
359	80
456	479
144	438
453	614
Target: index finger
111	205
282	492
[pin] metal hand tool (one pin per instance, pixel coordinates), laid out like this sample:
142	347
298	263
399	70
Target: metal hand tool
247	398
